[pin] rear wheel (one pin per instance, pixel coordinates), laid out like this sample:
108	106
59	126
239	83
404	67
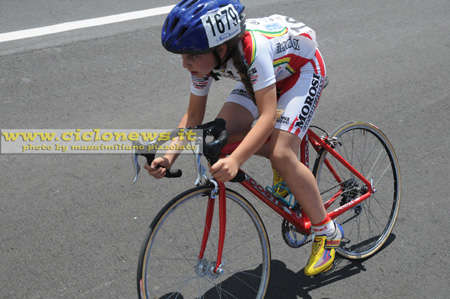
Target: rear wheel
169	265
368	225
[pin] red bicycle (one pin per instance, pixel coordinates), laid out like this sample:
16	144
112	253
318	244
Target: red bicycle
191	253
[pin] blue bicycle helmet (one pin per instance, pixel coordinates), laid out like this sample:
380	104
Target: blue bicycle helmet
200	26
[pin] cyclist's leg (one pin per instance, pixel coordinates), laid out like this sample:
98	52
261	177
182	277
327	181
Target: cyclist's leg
300	180
239	112
239	121
299	97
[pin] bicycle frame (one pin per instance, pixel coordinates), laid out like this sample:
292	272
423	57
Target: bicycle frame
301	222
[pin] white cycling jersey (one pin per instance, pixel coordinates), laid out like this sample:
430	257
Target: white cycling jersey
274	48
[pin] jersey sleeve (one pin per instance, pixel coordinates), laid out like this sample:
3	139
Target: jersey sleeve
201	86
260	62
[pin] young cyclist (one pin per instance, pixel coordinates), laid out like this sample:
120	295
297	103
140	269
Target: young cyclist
280	74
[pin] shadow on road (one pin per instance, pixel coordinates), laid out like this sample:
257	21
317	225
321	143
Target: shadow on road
286	284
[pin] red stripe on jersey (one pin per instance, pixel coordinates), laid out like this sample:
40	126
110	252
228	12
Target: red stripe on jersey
292	126
306	35
313	63
288	83
248	47
321	64
296	62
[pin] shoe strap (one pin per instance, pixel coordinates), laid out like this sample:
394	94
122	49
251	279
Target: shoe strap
332	244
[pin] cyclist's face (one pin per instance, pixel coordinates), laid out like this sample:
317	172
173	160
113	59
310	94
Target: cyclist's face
199	65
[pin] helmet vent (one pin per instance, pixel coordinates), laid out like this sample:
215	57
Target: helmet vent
192	3
166	25
182	2
182	32
174	23
198	10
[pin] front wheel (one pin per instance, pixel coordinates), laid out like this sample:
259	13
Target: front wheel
169	264
368	225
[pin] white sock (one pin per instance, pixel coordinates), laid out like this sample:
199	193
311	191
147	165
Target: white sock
327	229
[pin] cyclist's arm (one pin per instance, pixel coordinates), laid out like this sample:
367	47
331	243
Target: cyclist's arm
195	112
193	117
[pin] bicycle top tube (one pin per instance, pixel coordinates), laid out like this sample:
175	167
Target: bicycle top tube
229	148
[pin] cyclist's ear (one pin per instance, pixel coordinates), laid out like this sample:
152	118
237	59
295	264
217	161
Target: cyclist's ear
222	50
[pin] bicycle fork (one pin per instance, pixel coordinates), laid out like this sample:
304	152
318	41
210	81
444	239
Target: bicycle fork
220	190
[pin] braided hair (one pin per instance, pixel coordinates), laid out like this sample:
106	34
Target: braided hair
243	73
240	66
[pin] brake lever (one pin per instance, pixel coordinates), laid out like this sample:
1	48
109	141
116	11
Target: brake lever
137	168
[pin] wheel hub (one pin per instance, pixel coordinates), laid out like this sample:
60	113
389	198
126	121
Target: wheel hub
205	268
351	190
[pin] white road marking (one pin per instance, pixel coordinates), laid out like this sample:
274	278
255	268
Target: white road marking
21	34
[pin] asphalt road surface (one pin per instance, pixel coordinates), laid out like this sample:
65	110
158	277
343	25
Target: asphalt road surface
72	225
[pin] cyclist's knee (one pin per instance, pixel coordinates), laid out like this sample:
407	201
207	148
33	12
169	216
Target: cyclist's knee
238	121
233	138
282	159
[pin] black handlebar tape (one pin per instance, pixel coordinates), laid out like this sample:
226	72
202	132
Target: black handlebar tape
240	177
169	173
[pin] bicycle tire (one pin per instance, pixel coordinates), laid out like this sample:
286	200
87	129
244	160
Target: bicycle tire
368	225
169	261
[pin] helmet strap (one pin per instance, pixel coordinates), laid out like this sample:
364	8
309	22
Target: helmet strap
219	60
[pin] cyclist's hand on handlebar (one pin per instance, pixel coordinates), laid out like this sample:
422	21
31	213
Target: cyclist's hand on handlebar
158	167
225	169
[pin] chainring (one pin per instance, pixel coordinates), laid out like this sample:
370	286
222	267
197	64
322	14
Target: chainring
292	238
